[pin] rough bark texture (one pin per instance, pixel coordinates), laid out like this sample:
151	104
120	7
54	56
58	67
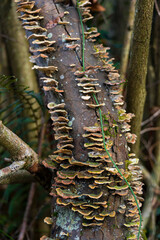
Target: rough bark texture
67	220
136	91
18	149
127	40
69	224
157	100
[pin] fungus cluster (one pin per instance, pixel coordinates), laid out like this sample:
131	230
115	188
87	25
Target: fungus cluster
85	186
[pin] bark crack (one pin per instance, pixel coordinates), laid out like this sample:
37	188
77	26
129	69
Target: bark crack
65	28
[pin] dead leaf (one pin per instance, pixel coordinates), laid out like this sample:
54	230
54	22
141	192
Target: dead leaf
52	23
96	7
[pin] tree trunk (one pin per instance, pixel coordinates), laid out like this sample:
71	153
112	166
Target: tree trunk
17	46
127	40
136	76
90	198
157	99
18	59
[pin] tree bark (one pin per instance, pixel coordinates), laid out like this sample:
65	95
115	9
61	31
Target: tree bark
64	65
157	93
127	40
136	76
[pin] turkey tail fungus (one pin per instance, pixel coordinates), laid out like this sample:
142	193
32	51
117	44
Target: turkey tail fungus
97	187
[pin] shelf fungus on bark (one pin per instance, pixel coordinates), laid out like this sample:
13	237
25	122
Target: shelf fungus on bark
84	184
29	23
37	36
25	5
28	17
44	42
41	49
49	70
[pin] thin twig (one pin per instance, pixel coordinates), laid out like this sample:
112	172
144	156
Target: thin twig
149	178
156	114
9	160
149	129
147	146
6	37
157	7
27	211
147	206
23	229
153	224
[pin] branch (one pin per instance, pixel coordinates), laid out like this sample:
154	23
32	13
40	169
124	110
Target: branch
14	167
147	207
18	149
149	178
157	8
156	114
26	215
20	176
149	129
23	157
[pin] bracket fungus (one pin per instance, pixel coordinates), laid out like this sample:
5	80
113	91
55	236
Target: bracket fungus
95	170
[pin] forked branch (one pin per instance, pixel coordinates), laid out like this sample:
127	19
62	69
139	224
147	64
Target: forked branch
23	158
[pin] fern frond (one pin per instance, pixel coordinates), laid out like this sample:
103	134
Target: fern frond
17	100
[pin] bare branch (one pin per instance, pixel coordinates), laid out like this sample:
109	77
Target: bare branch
156	114
28	207
14	167
149	129
20	176
149	178
23	157
157	7
18	149
147	207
